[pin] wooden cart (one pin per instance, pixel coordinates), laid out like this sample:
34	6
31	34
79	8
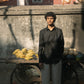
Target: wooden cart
21	66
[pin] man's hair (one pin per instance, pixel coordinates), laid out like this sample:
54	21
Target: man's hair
50	14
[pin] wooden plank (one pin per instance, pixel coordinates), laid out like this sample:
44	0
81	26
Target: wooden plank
21	61
15	60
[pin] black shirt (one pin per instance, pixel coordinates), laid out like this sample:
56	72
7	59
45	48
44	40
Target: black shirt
51	45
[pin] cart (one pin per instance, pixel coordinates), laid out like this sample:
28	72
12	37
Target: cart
26	71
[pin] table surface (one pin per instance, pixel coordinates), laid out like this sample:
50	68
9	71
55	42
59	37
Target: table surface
16	60
22	60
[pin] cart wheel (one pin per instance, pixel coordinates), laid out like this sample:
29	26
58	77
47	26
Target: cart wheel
27	74
12	76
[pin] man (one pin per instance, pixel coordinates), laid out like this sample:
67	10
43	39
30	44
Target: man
51	47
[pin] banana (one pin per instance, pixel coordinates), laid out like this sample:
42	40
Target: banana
36	55
24	50
28	58
16	51
24	53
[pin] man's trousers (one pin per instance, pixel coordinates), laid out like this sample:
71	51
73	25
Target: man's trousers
56	73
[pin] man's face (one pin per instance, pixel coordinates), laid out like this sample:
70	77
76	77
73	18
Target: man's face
50	20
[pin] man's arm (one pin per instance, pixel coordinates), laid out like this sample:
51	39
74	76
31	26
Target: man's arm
41	45
61	43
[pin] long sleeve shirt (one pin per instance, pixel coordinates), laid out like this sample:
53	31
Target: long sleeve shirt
51	45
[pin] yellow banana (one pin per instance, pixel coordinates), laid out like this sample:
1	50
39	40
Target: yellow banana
28	58
24	50
24	53
36	55
16	51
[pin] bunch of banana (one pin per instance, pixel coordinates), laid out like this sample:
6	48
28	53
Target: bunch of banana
26	54
16	51
24	50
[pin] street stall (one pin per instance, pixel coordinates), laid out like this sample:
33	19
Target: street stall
27	70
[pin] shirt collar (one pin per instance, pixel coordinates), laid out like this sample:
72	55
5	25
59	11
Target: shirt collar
49	30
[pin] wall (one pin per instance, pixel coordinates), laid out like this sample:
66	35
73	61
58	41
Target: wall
20	26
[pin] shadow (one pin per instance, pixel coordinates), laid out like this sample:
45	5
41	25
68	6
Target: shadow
5	11
74	37
83	22
10	28
6	50
1	47
82	25
31	27
17	44
3	8
80	29
10	47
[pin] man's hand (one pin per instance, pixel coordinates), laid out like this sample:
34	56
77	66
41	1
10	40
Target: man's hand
41	65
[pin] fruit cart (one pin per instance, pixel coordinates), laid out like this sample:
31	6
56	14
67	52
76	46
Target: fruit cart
26	71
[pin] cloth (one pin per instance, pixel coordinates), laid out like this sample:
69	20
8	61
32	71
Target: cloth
51	45
56	75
